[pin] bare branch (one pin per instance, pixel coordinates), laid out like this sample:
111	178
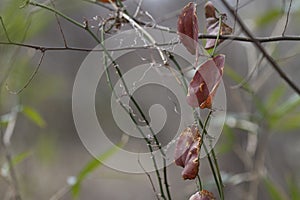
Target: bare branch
262	49
201	36
5	30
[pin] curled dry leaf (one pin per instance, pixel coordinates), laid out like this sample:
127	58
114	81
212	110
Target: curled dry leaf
203	195
205	82
213	25
187	27
187	152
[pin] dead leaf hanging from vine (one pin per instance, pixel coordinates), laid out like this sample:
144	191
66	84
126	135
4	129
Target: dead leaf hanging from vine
187	27
205	82
213	25
187	152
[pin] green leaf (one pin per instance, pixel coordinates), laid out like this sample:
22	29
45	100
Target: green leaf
33	115
288	106
20	157
273	191
287	123
93	165
268	17
15	161
294	190
273	99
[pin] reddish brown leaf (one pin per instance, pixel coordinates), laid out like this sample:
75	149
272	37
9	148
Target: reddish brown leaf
205	82
187	27
203	195
187	152
213	25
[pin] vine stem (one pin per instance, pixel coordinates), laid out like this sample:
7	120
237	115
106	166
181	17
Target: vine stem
213	163
218	36
109	82
216	175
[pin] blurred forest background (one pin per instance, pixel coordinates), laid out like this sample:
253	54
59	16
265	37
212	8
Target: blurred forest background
258	150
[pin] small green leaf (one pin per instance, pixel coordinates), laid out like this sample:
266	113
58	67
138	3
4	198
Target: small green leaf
20	157
33	115
273	99
287	123
15	161
93	165
273	191
294	189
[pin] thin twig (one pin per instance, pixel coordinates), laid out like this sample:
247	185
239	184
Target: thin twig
201	36
86	27
138	8
5	30
59	26
60	193
218	36
147	36
249	76
149	178
287	18
109	82
262	49
236	11
30	78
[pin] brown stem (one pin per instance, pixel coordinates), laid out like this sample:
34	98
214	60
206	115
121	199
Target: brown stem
261	48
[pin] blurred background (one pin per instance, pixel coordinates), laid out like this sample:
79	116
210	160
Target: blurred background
259	148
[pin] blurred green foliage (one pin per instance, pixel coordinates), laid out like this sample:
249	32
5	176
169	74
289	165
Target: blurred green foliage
268	17
92	165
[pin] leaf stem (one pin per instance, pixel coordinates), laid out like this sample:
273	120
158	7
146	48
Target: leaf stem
218	36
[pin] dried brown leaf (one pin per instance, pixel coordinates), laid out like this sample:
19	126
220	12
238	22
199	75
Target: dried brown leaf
205	82
213	25
187	152
187	27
